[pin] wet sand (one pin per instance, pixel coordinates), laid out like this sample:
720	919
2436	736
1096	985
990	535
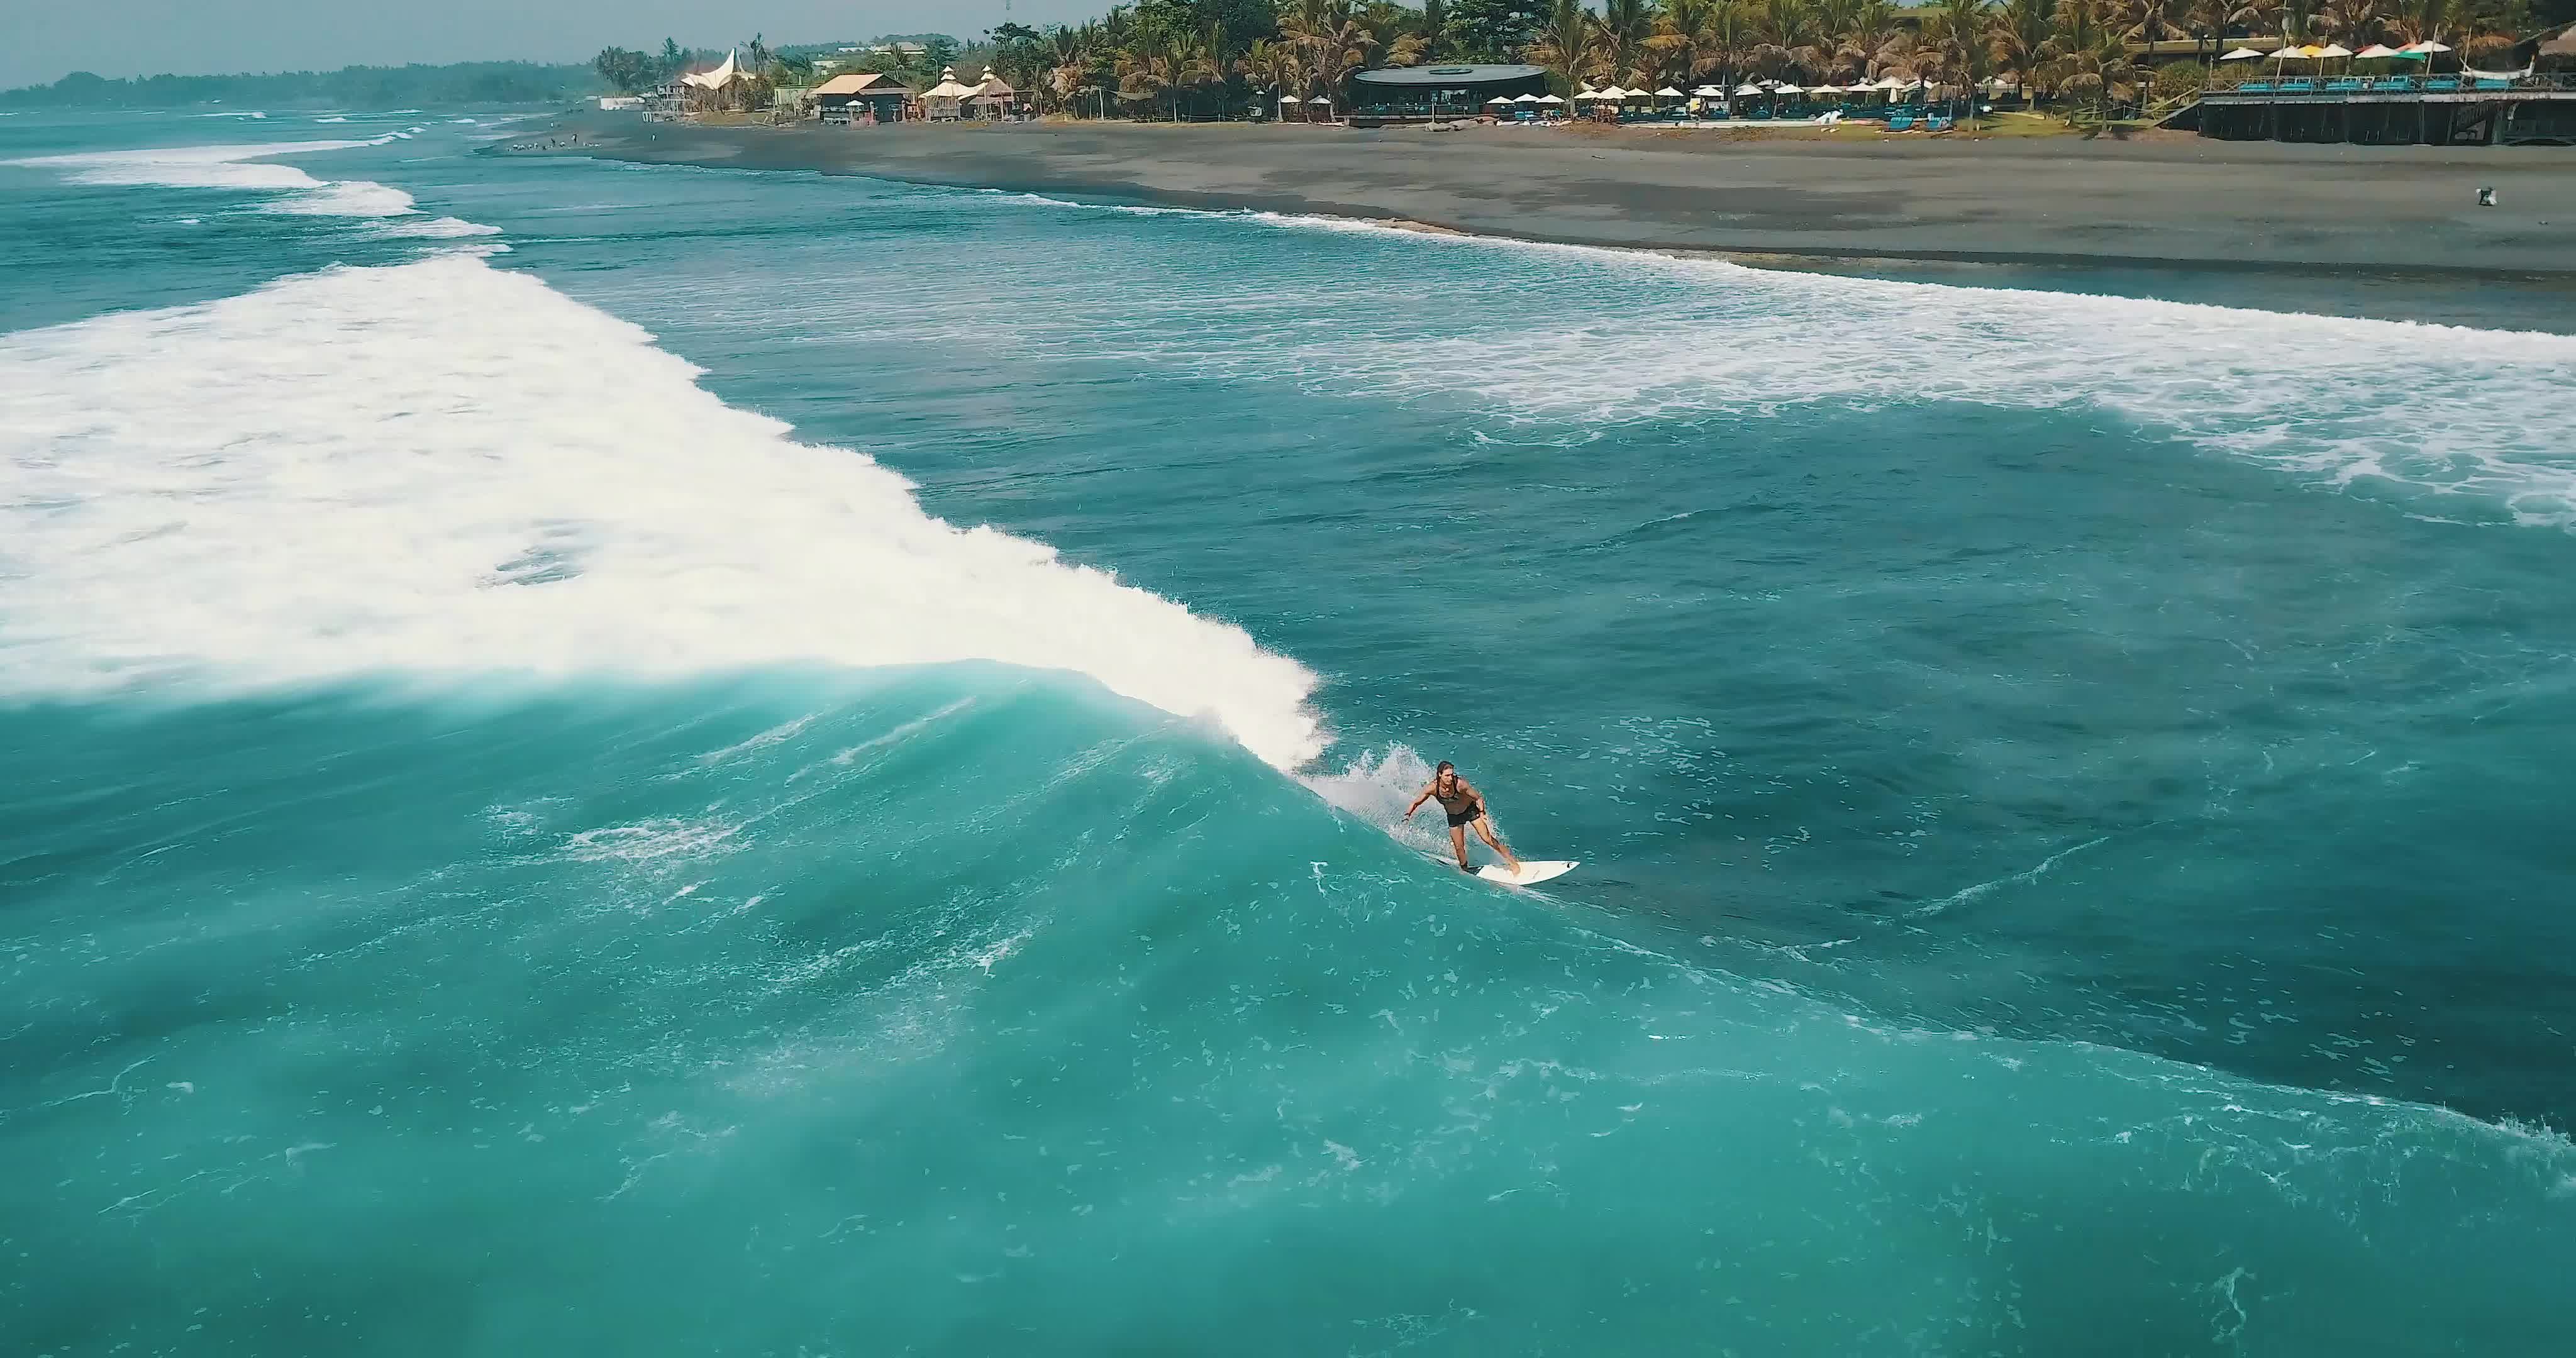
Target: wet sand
2163	200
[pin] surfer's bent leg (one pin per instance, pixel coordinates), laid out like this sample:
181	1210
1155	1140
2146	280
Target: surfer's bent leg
1485	832
1458	841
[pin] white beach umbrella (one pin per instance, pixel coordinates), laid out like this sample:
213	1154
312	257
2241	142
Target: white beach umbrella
2333	49
1547	99
1748	88
2375	51
1708	92
2243	54
1529	99
1498	99
1290	99
1784	87
1668	92
2425	48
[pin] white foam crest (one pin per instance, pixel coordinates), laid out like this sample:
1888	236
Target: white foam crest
347	198
240	167
436	228
443	469
1635	335
194	167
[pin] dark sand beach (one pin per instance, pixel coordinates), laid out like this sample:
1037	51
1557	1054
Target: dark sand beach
2164	200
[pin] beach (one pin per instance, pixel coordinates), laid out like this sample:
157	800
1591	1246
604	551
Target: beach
2158	200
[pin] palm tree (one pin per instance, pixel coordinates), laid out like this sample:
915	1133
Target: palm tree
2424	20
2154	21
1271	66
1731	35
1623	30
1681	43
1565	43
1790	37
2094	57
1959	30
1325	33
2025	37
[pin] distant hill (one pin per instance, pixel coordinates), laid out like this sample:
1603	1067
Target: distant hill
471	82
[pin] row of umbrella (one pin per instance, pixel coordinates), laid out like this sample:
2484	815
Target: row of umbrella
1889	84
2413	51
1524	99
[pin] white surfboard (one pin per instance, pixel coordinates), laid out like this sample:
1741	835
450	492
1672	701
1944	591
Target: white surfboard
1532	872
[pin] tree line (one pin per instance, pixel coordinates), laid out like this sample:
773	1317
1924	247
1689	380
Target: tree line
471	82
1176	58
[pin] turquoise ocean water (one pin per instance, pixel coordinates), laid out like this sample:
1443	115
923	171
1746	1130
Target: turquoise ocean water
655	761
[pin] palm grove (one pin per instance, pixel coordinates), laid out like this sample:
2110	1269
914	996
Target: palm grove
1194	58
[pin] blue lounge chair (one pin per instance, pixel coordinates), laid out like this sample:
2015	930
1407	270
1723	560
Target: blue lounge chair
2488	82
2346	85
2255	87
2442	85
1900	122
2298	87
2393	84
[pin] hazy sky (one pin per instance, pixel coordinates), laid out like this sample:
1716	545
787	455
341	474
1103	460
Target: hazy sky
46	39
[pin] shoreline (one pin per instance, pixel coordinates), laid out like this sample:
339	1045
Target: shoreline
2386	232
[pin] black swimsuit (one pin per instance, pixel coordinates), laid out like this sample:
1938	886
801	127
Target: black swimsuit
1475	807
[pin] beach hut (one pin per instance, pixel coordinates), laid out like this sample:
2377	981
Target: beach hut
946	101
991	97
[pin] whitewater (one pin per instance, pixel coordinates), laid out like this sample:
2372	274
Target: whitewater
660	761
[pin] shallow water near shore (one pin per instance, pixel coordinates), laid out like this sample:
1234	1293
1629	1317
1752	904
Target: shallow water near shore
659	760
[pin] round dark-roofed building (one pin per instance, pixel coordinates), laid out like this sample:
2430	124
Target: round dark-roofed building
1392	93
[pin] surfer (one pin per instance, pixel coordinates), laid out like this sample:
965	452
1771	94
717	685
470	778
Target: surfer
1466	807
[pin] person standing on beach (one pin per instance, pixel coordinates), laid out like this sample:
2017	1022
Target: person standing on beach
1466	807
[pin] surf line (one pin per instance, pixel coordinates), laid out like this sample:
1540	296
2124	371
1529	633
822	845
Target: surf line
2026	876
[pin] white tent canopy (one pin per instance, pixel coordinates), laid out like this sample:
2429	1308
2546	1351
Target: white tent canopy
2243	54
716	79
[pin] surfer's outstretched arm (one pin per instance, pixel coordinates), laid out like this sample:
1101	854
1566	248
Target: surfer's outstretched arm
1417	803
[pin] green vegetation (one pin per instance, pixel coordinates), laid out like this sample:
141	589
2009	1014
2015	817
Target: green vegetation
2084	58
473	82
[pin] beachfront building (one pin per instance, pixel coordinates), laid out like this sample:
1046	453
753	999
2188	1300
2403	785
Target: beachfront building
724	89
951	100
1396	94
2465	108
863	98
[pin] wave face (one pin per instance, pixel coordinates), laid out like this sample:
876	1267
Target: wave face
968	1010
507	850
